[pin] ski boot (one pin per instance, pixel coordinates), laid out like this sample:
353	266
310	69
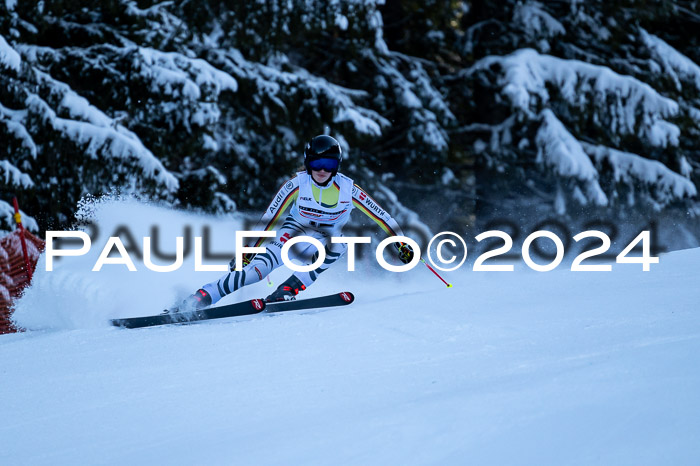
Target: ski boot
287	291
198	300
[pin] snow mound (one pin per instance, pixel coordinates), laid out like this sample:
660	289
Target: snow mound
73	296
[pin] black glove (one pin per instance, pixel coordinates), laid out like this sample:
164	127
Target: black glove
246	260
405	252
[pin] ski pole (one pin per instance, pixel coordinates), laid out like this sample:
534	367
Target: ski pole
449	285
18	219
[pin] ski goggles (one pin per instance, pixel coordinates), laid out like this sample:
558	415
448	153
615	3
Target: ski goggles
327	164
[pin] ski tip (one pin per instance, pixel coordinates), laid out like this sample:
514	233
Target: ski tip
347	296
121	323
449	285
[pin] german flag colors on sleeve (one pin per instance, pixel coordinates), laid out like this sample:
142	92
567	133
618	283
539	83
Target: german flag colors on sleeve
368	206
284	198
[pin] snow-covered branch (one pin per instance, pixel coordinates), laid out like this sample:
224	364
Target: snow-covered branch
13	121
675	65
537	23
558	149
99	134
177	75
277	85
13	176
9	58
664	185
621	104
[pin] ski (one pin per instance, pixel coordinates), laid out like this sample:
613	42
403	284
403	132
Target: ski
255	306
331	300
244	308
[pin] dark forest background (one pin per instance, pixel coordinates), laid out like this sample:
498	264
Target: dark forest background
458	111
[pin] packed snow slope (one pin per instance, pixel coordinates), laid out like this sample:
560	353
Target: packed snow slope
505	368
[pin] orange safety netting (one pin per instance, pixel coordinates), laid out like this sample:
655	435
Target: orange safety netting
13	273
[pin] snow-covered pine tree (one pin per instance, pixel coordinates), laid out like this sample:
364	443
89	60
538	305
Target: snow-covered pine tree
221	94
65	146
580	102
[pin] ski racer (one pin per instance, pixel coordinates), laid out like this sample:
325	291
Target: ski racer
321	200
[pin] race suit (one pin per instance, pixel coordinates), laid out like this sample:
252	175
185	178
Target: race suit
316	211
